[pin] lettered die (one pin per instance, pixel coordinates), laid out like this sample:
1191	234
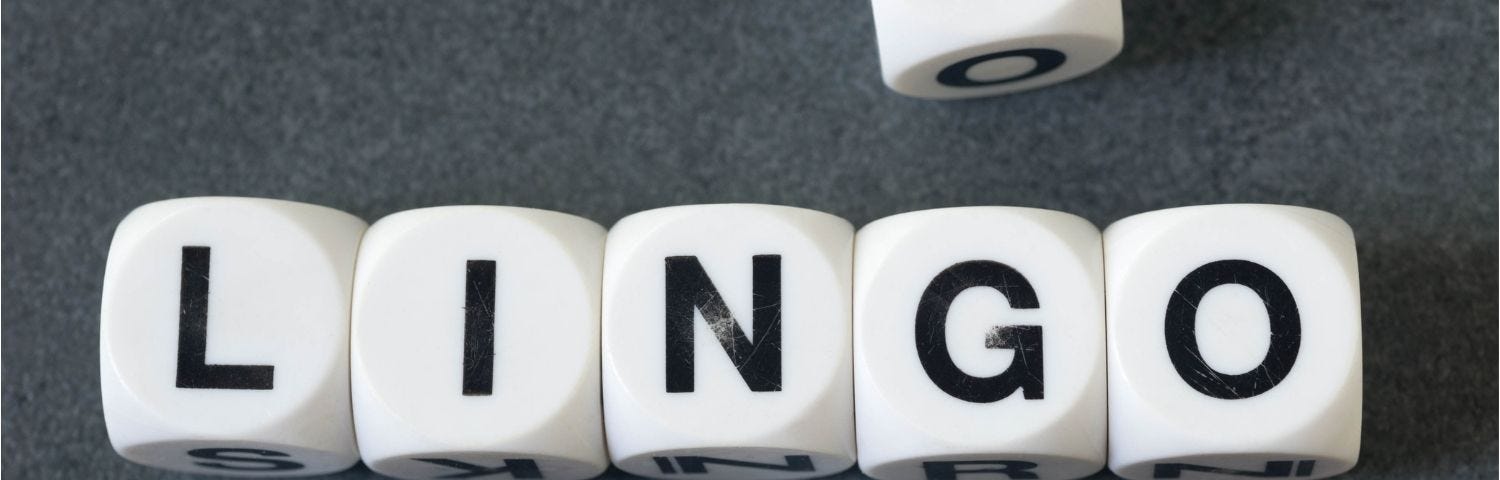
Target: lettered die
726	348
223	337
1234	343
979	345
475	345
948	49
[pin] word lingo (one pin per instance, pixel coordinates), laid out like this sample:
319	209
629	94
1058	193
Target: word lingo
257	337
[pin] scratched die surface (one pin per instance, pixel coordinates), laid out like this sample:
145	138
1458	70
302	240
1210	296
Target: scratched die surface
726	349
979	345
224	332
1234	343
475	344
946	49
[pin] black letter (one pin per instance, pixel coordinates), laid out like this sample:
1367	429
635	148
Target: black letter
517	468
479	328
689	288
192	336
665	464
1273	469
950	471
254	464
957	75
1025	370
1182	320
696	464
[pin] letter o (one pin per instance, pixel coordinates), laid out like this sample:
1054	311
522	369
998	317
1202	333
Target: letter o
957	74
1182	320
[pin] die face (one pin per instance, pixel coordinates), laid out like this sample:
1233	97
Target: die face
224	337
1234	342
960	49
475	344
979	344
726	339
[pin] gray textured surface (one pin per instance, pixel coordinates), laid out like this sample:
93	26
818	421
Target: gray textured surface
1383	112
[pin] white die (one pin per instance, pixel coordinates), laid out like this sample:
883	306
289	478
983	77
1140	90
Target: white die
1234	343
475	344
223	337
753	303
947	49
979	345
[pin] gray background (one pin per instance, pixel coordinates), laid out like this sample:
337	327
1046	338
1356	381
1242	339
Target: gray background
1383	112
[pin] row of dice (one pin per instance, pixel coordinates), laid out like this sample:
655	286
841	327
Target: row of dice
263	337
